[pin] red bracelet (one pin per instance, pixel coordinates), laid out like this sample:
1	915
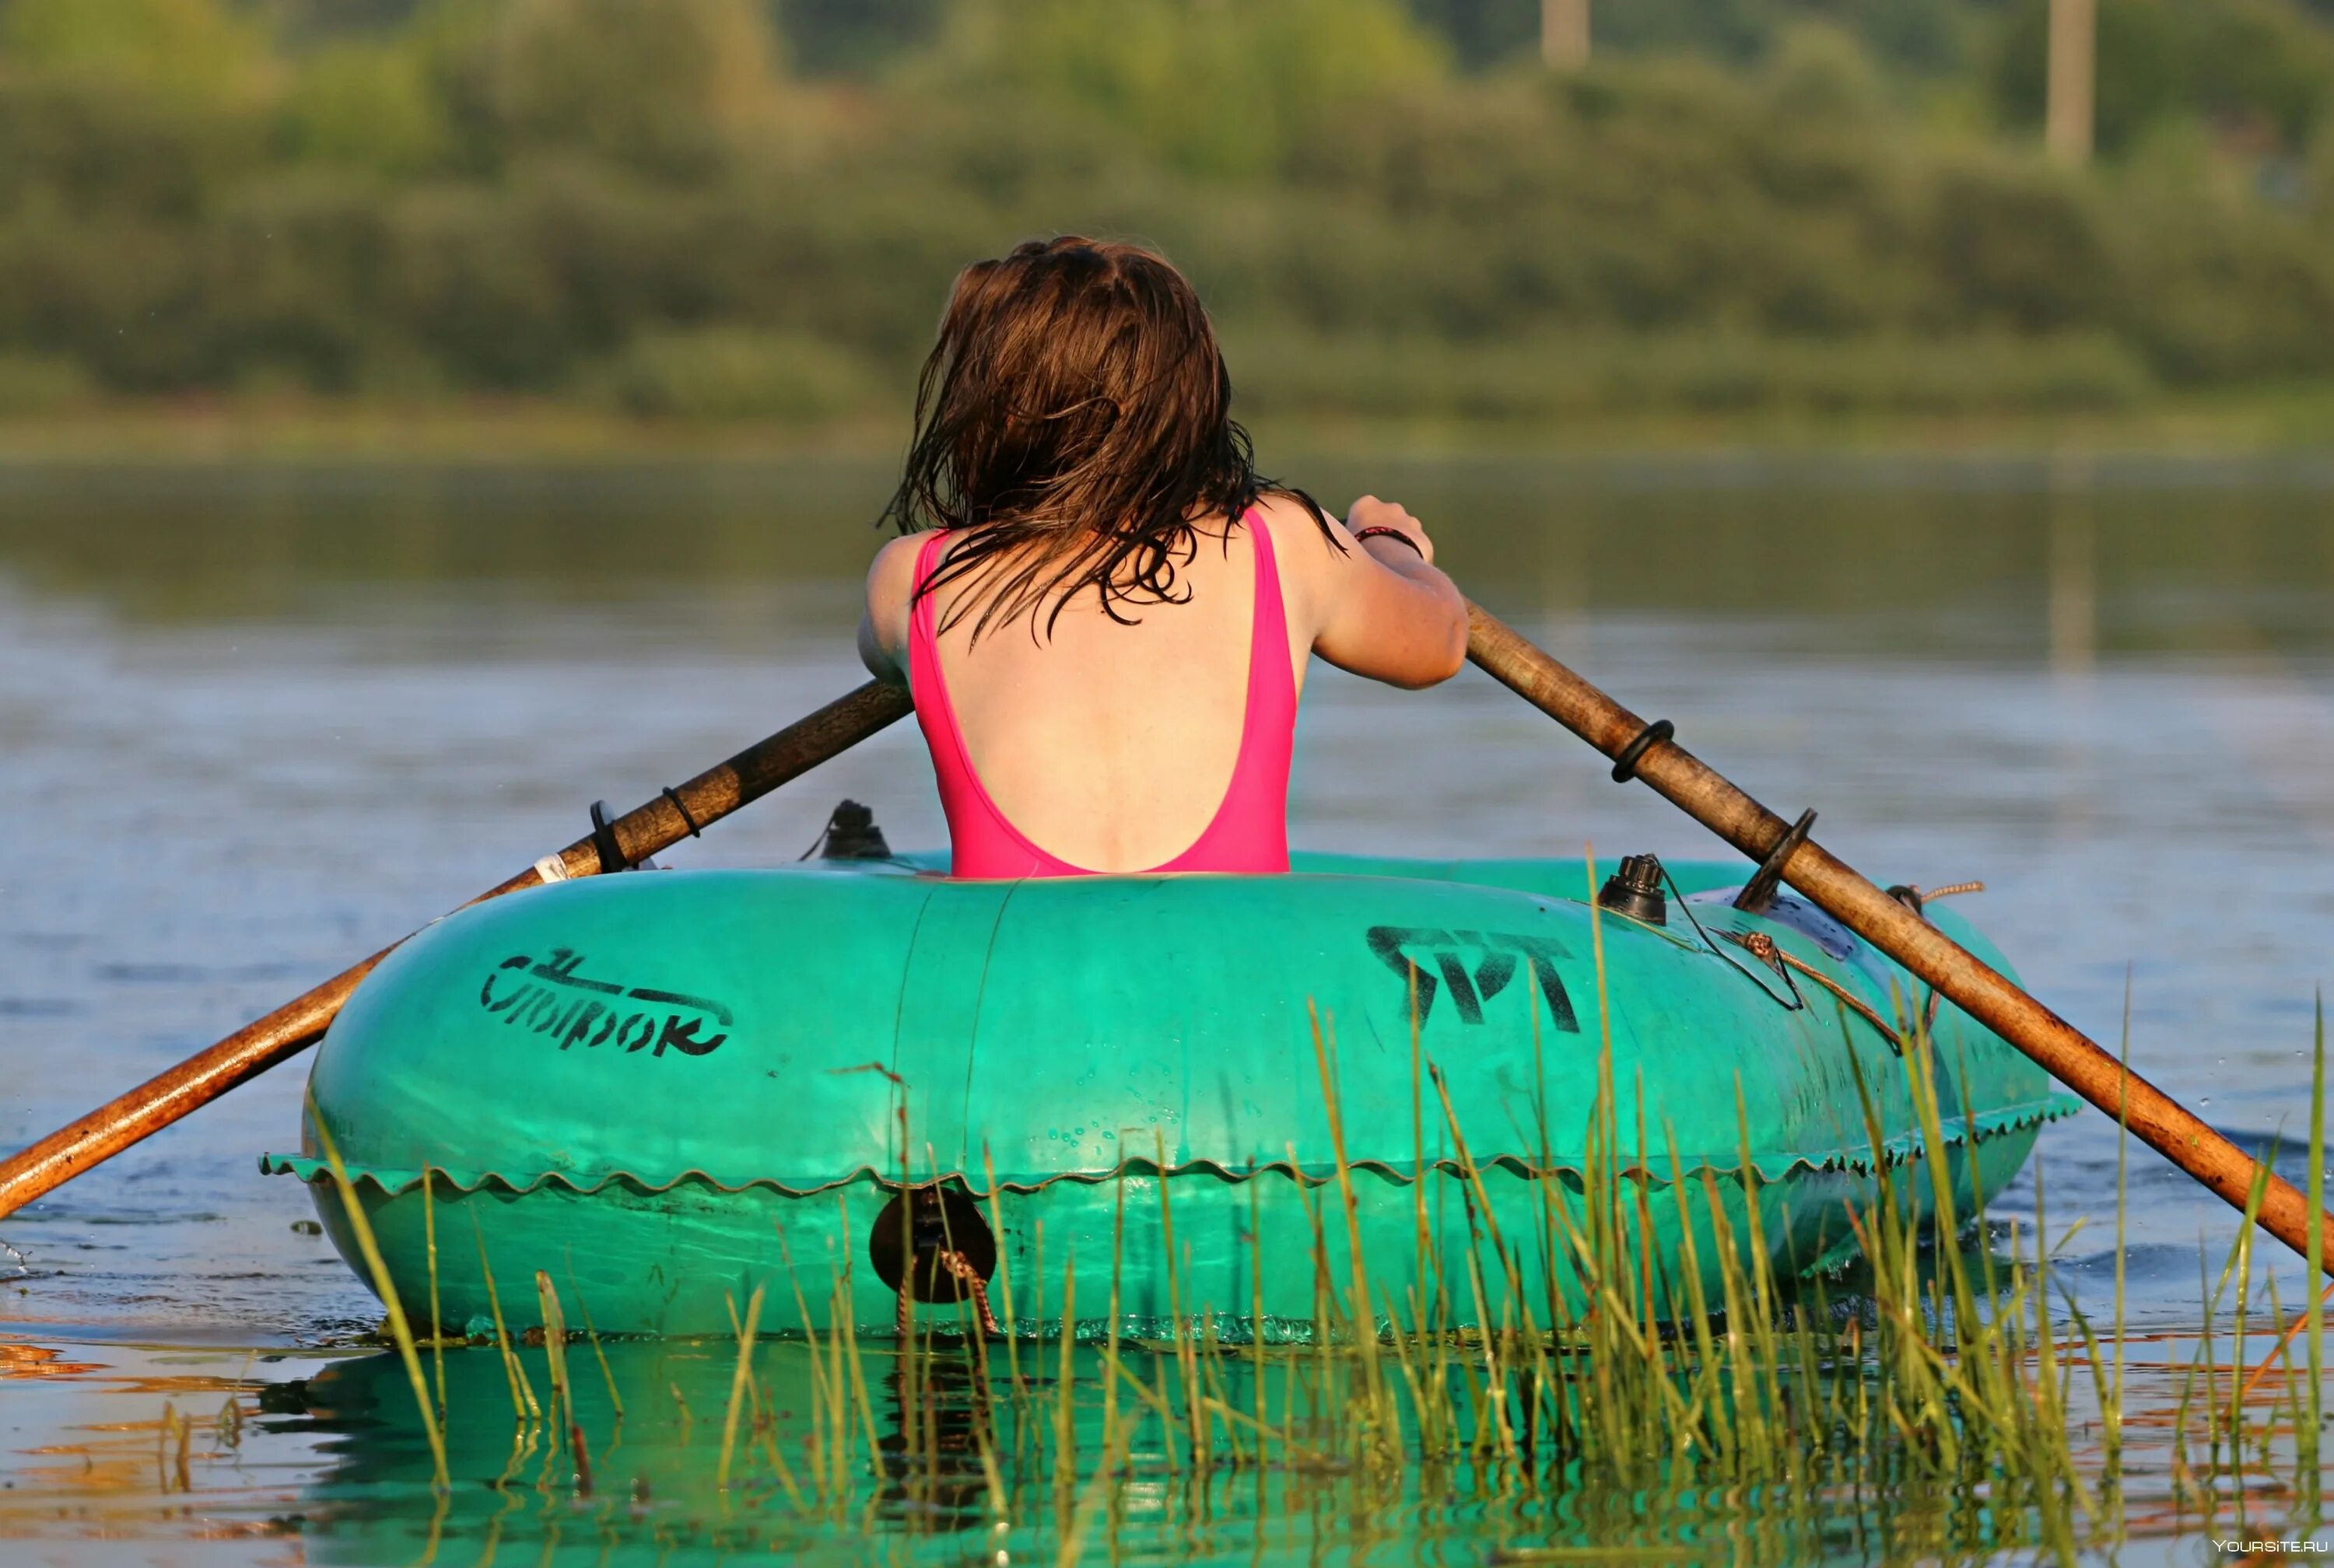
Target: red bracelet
1380	531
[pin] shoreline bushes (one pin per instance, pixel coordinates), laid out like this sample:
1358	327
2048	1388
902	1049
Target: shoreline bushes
631	204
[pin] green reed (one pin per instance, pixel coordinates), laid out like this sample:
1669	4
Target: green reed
2315	1419
1932	1398
400	1331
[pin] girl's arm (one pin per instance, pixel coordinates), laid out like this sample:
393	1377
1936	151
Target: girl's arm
883	625
1381	608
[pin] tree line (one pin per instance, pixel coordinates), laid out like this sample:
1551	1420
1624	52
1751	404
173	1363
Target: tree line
714	209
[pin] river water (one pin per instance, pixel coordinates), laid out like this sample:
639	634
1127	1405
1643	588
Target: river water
256	723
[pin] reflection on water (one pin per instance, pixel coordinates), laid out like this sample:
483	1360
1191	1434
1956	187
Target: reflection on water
254	724
2007	559
664	1456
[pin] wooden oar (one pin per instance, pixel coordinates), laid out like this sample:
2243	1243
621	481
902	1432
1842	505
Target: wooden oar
1673	772
1978	989
299	1023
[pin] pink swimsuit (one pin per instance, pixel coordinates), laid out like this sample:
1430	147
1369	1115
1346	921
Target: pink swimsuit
1249	832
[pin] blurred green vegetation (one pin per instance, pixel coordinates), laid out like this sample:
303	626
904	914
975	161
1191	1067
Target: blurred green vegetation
716	210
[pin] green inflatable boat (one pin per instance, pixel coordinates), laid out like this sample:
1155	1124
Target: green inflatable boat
855	1083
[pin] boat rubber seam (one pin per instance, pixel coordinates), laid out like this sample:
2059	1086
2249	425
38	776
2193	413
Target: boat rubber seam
1775	1165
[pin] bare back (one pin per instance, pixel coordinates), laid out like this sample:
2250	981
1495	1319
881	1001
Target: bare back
1110	745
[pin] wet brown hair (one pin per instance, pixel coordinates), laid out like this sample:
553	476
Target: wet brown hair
1074	419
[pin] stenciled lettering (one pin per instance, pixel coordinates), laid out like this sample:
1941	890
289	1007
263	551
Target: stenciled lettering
552	998
1430	960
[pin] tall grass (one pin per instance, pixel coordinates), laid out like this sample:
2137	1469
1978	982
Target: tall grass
2315	1319
1927	1397
400	1331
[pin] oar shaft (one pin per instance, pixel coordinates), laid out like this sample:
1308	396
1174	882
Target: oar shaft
1976	987
292	1028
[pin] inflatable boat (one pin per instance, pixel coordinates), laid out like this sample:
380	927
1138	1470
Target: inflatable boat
862	1088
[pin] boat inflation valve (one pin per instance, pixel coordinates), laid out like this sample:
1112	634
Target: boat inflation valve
1634	889
1758	892
931	1245
852	835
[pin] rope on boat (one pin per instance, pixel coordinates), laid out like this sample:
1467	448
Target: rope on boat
1796	1002
1762	947
961	1267
1919	898
957	1263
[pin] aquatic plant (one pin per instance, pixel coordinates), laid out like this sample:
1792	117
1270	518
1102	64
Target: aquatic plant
400	1332
1937	1392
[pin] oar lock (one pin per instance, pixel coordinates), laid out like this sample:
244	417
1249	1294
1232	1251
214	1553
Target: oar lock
604	844
1758	894
1635	889
850	834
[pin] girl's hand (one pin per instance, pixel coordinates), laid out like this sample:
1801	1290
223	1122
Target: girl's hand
1369	512
1379	611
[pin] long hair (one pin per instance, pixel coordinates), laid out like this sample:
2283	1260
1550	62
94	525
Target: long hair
1074	420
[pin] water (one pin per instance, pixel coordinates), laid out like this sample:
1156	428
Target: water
254	725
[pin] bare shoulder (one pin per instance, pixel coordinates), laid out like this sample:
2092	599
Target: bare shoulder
1294	530
1304	554
1309	561
892	576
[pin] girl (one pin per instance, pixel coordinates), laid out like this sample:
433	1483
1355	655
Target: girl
1103	613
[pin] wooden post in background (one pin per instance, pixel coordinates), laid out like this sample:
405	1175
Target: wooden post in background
2074	56
1564	33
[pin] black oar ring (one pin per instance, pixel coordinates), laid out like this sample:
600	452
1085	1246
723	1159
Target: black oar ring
683	810
1624	764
